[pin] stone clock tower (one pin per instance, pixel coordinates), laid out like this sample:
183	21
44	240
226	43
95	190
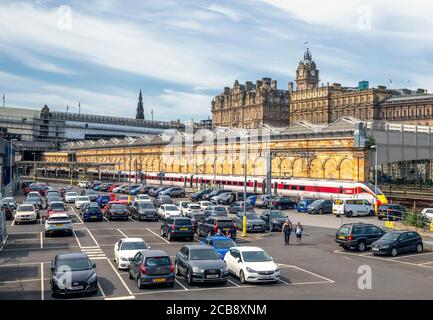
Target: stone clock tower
307	74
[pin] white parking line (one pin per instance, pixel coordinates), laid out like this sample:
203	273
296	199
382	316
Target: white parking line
79	243
121	298
425	263
13	222
91	235
42	241
122	233
306	271
411	255
105	218
179	283
102	291
21	264
132	219
233	283
166	241
78	216
42	281
3	244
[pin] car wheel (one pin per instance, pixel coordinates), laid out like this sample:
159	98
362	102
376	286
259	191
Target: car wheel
419	248
320	211
242	277
371	213
189	277
350	214
361	246
394	252
140	286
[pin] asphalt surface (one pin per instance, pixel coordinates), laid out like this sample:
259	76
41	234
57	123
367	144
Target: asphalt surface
317	269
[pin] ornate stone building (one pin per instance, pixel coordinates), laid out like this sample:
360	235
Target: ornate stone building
251	105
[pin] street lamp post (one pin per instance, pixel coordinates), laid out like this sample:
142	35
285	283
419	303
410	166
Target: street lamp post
244	220
374	147
35	173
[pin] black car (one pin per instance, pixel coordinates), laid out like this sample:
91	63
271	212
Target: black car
391	212
199	195
239	207
144	210
162	199
274	219
282	203
177	227
152	267
117	211
6	208
396	242
254	223
320	207
358	236
215	211
196	218
212	224
73	273
215	192
156	192
200	263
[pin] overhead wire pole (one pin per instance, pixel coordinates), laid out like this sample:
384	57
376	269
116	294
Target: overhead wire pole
244	220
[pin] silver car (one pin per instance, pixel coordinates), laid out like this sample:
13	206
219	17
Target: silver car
58	223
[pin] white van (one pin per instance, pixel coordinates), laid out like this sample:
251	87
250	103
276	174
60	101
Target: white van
352	207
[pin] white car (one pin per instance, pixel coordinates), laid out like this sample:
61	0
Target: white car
190	209
168	210
205	204
428	213
70	197
251	264
79	201
26	213
182	205
117	189
143	197
58	223
84	184
125	249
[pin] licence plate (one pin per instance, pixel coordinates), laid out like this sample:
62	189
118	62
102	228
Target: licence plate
94	217
183	229
212	276
77	288
342	237
59	225
159	280
226	229
375	249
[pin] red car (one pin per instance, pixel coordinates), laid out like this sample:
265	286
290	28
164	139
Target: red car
116	210
56	207
40	187
110	188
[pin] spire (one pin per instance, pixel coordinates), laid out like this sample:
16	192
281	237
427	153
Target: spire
307	56
140	109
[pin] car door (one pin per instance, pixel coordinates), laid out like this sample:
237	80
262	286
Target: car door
412	241
135	264
328	206
237	262
377	233
403	243
369	234
230	260
184	257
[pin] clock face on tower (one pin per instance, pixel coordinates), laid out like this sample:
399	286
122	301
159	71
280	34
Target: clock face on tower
313	73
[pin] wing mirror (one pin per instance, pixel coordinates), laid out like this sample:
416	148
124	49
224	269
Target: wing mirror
94	266
52	269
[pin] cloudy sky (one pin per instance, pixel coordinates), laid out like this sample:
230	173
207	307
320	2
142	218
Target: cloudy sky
181	53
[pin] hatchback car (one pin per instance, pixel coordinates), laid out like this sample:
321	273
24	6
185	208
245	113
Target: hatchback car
177	227
281	203
174	192
220	244
391	212
358	236
144	210
70	197
168	210
73	273
92	212
125	250
199	195
217	211
162	199
274	219
320	207
302	205
58	223
26	213
114	210
254	223
396	242
238	206
152	267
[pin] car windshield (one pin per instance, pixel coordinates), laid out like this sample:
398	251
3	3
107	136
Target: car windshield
194	207
57	206
145	205
391	236
256	256
8	200
33	195
33	199
344	230
170	208
204	254
118	208
25	208
83	198
277	214
79	264
198	216
62	218
316	203
93	209
219	209
182	222
251	216
157	261
138	245
224	243
72	194
104	197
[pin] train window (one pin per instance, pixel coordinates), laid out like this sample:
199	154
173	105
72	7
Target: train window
301	187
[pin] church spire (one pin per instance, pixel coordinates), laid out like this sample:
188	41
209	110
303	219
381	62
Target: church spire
140	109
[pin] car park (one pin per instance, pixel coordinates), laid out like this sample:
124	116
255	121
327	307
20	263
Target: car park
391	212
358	236
92	212
198	263
302	205
220	244
58	223
26	213
190	209
177	227
152	267
71	196
116	210
144	210
212	224
163	199
79	201
320	207
125	250
215	192
199	195
252	264
79	269
214	210
254	223
168	210
396	242
352	207
174	192
274	219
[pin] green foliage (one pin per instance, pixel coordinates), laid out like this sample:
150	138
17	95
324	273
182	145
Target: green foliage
414	219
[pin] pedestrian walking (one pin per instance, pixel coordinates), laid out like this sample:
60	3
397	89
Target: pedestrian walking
298	231
287	230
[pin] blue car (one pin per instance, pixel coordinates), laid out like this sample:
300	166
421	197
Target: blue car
93	213
303	204
252	200
220	244
103	200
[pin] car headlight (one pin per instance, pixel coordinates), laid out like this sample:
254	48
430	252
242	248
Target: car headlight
251	270
92	278
196	269
225	270
385	246
277	270
124	259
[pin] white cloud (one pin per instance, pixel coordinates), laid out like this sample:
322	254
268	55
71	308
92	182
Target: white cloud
230	13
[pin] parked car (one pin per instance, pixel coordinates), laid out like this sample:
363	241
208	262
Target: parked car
223	198
125	250
111	187
219	211
8	211
282	203
303	204
252	199
79	201
51	199
262	201
102	187
11	202
174	192
92	194
428	213
56	207
58	223
92	212
190	209
181	205
140	190
156	192
199	195
177	227
358	236
238	206
211	225
71	196
118	188
75	266
198	263
143	197
152	267
254	223
37	202
208	196
352	207
26	213
196	218
220	244
84	184
396	242
103	199
252	264
94	184
205	204
274	219
163	199
166	211
391	212
144	210
320	207
115	210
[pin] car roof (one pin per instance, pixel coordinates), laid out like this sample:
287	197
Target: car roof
246	249
56	202
68	256
132	240
154	253
197	247
218	238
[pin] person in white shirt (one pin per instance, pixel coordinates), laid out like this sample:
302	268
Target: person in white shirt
298	231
